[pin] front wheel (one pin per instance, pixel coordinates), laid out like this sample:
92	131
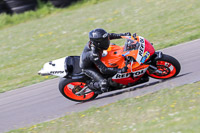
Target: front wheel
68	87
167	65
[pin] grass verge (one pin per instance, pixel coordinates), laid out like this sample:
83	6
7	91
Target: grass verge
167	111
25	47
43	10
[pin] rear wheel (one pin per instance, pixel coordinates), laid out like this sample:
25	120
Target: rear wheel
69	87
167	65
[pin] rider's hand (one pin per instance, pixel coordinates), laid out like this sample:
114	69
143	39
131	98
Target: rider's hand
123	70
127	34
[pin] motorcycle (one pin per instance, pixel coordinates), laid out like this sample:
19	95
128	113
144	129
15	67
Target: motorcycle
137	54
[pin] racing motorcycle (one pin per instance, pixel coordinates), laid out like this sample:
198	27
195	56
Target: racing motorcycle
138	54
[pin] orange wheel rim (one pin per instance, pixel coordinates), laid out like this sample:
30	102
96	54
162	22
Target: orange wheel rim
68	91
168	70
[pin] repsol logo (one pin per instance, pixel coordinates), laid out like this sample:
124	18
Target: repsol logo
141	40
57	72
141	50
138	73
121	75
133	74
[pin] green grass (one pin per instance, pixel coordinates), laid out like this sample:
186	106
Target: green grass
42	10
25	47
174	110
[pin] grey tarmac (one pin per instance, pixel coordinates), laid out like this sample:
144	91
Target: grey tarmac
43	102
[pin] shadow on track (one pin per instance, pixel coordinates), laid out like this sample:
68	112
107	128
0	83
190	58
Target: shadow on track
133	88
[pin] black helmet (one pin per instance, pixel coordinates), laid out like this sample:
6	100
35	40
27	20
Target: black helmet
100	39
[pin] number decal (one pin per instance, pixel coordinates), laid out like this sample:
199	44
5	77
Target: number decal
141	50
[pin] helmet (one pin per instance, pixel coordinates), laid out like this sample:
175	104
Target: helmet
100	38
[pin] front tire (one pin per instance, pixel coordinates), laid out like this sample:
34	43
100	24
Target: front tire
169	66
66	87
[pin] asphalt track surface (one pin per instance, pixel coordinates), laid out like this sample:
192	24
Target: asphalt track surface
42	102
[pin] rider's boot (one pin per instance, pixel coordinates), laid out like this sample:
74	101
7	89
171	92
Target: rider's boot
104	85
95	86
99	87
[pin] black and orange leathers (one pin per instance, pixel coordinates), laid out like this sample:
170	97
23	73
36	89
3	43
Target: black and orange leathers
90	60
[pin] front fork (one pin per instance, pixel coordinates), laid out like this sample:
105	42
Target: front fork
152	62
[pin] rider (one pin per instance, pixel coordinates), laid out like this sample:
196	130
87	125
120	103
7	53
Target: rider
90	62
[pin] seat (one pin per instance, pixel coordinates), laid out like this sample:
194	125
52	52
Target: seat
72	67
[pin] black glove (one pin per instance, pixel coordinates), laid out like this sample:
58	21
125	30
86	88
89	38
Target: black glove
124	34
123	70
127	34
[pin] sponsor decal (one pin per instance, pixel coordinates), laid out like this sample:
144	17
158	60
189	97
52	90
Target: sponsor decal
121	75
146	55
141	40
126	54
139	73
141	50
56	72
133	74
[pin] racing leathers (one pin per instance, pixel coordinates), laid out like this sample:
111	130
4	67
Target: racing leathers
91	65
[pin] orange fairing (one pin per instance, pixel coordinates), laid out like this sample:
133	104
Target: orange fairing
136	67
114	57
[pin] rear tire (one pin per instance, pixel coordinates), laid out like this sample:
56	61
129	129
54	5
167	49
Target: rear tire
66	86
169	66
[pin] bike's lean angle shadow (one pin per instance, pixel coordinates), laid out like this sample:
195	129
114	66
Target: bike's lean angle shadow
129	89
